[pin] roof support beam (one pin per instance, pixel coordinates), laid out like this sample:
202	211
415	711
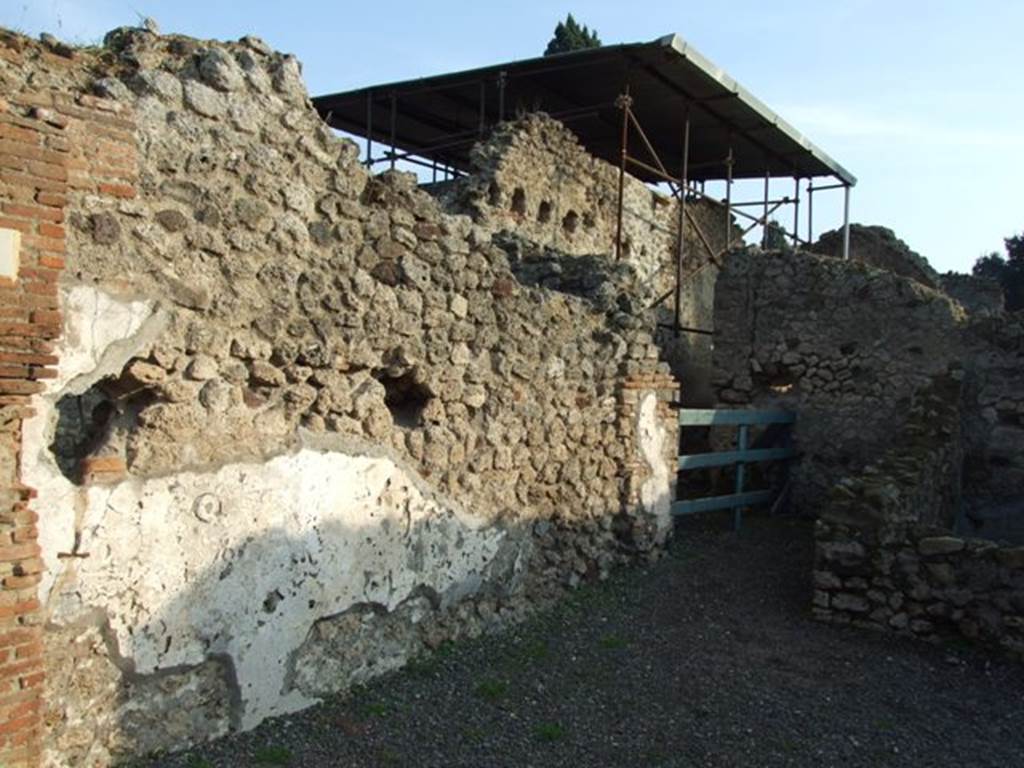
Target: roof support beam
711	112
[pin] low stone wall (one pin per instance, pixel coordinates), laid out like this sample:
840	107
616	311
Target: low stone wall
921	581
885	558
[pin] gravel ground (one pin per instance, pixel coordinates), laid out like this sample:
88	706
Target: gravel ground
709	658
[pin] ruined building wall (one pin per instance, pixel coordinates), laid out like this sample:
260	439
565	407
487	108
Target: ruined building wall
842	343
884	560
534	179
910	425
994	412
880	248
301	423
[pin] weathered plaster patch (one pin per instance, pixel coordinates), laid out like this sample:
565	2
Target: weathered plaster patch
243	560
655	492
100	334
238	562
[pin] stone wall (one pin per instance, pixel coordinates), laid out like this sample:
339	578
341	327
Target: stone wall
54	146
885	558
910	428
533	179
300	423
980	296
843	344
879	247
994	413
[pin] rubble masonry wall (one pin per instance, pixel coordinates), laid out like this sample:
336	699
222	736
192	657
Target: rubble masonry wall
301	423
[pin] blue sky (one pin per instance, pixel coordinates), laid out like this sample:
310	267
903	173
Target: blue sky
921	100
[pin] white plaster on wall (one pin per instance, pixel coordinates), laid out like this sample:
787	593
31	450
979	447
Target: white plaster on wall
243	559
100	334
655	492
10	253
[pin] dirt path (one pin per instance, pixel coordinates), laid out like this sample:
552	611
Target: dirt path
709	658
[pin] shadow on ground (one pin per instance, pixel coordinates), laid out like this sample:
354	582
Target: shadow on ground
709	658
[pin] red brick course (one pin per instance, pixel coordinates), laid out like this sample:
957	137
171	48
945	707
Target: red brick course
53	147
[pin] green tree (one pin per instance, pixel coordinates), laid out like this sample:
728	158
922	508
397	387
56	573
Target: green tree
1008	271
570	36
775	238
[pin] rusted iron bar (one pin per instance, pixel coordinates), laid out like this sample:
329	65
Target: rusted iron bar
846	222
483	105
663	298
763	221
703	238
369	129
728	197
681	248
744	214
647	143
827	186
714	114
502	79
764	233
624	102
685	329
469	137
394	123
810	211
752	203
796	211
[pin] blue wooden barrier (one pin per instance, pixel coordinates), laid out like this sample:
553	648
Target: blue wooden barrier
743	455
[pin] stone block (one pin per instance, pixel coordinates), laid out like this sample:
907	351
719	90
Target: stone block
1011	558
940	545
852	603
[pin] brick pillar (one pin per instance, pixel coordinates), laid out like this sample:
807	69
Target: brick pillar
649	480
33	189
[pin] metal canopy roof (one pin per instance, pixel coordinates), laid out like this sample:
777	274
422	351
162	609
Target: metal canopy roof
442	116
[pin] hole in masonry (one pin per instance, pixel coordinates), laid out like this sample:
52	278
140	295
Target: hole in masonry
92	420
519	201
83	423
544	212
494	195
405	397
571	222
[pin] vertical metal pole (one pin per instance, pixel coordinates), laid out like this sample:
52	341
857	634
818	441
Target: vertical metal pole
728	198
846	221
433	179
810	211
394	120
764	218
369	129
681	252
624	102
501	96
483	104
796	212
741	445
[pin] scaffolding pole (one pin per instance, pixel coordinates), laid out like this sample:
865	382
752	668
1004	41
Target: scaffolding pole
764	230
728	198
796	211
846	221
624	102
681	250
